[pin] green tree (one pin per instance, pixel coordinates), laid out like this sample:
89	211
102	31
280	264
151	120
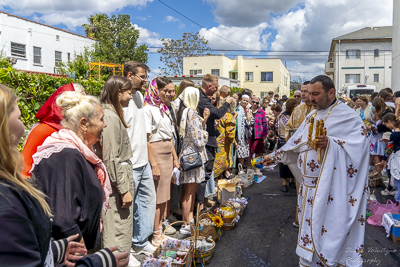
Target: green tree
117	39
174	51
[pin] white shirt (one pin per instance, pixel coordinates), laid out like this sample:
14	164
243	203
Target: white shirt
135	118
157	132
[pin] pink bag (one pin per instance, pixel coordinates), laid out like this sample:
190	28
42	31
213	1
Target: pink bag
378	209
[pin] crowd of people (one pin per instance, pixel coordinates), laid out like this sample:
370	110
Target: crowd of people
110	174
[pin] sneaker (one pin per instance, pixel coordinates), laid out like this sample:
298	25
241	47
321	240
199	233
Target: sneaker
385	192
185	229
168	230
133	262
393	192
146	250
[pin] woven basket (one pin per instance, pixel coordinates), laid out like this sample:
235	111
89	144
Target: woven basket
208	230
187	260
374	182
202	256
228	220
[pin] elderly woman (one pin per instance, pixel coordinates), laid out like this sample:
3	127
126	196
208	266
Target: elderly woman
243	132
259	129
70	174
364	110
162	155
194	140
24	212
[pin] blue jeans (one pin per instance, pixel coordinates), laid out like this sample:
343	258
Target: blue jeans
210	187
144	208
397	185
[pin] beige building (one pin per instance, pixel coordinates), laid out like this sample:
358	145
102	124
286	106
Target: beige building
260	75
361	57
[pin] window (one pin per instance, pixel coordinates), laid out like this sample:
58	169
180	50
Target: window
37	55
331	65
58	58
376	78
264	94
69	57
195	72
266	76
248	76
18	50
352	78
57	38
352	54
215	72
376	53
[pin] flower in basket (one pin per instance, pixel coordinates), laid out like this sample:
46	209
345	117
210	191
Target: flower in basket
217	221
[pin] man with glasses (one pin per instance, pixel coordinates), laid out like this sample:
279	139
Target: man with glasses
209	86
297	95
145	195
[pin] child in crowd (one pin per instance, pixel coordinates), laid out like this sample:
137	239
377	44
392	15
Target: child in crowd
391	158
377	148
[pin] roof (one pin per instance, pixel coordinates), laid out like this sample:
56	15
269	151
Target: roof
368	33
11	15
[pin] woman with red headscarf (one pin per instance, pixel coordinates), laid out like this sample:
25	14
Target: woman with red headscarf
49	116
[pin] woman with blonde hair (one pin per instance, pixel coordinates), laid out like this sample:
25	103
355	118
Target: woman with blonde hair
24	213
70	174
194	139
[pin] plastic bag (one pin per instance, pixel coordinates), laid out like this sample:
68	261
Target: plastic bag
378	209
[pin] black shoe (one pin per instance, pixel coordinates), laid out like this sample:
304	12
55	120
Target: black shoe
292	184
284	188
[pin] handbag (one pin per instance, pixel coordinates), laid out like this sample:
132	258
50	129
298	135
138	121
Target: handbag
247	132
191	161
378	210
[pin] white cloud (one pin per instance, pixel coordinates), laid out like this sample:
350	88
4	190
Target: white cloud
171	19
248	13
148	37
69	13
254	38
305	69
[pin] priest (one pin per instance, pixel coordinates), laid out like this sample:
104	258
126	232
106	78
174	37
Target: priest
331	150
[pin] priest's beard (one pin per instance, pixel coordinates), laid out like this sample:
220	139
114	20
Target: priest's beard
324	103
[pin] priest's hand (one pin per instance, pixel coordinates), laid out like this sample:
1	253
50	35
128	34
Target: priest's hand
267	160
322	141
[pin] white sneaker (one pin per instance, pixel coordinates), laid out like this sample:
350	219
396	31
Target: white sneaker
146	250
133	262
385	192
185	229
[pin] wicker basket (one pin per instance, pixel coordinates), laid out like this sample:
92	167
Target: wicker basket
240	209
228	221
208	230
202	256
228	226
187	260
374	182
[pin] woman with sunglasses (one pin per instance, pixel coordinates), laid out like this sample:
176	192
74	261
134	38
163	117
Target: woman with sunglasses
259	129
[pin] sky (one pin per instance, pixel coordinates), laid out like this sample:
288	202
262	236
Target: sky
298	32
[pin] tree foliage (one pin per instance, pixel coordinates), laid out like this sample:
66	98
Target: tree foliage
117	39
174	51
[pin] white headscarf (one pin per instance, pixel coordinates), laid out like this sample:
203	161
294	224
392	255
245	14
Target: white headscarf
190	97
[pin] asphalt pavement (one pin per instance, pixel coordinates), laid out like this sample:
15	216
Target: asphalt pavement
265	235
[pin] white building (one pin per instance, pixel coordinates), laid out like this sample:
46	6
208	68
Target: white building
361	57
36	46
261	75
396	46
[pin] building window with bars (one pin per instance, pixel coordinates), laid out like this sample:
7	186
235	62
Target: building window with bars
215	72
58	57
352	78
267	76
18	50
248	76
37	55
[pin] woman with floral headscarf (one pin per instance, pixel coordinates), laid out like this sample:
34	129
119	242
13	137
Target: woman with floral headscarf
159	138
